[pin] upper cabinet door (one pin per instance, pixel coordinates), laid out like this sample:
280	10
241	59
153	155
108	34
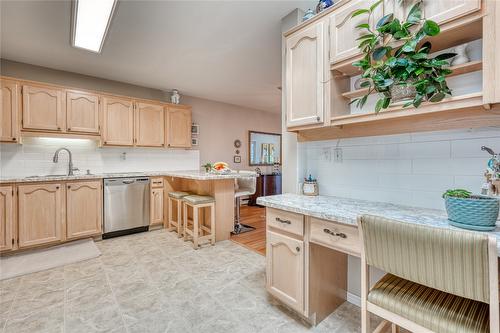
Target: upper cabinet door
10	95
343	31
40	214
305	73
6	218
118	121
82	112
149	125
179	122
84	209
441	11
43	108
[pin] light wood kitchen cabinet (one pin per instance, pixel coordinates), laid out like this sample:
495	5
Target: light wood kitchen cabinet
343	31
285	269
149	125
6	218
82	112
118	121
10	94
40	214
43	108
157	199
441	12
179	120
83	209
305	76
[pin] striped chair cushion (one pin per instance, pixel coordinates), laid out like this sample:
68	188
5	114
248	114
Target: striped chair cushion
452	261
433	309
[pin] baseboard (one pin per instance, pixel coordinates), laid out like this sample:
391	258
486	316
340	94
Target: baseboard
354	299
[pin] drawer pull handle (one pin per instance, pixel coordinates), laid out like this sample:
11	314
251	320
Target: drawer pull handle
333	233
283	221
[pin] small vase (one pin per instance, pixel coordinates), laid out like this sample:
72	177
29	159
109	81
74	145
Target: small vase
462	57
308	14
176	97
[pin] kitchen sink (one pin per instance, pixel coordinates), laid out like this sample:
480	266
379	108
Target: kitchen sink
45	176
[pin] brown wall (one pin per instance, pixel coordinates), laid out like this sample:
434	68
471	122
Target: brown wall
220	123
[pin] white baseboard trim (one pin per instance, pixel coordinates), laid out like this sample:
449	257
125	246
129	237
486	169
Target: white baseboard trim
354	299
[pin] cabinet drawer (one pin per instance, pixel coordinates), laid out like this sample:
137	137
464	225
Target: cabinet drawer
157	182
340	237
286	221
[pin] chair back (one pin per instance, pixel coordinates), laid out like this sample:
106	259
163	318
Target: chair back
247	184
453	261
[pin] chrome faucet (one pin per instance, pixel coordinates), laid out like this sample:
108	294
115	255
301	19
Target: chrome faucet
70	164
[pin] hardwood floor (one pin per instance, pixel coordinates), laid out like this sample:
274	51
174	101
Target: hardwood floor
254	240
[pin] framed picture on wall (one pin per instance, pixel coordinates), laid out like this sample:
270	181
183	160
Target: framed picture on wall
195	129
194	141
237	159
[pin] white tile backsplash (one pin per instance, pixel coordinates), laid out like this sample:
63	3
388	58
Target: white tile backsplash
411	169
34	157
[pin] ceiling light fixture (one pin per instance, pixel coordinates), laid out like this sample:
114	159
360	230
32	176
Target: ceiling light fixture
90	23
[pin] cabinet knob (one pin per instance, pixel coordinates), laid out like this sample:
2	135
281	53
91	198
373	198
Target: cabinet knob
298	249
317	118
69	186
59	128
105	142
14	139
57	187
69	128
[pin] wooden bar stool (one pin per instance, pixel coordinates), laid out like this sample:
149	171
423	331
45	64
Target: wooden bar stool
199	231
175	224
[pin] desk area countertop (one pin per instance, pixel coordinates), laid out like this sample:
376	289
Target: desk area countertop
186	174
345	210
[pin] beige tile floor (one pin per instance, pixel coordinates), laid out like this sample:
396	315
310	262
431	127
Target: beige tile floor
154	282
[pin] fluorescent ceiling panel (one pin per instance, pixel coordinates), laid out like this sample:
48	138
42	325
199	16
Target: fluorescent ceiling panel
91	20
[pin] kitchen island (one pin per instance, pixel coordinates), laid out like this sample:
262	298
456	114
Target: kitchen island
309	240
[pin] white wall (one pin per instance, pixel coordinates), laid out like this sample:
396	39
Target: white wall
34	157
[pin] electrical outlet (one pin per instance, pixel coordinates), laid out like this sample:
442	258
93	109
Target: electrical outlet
337	155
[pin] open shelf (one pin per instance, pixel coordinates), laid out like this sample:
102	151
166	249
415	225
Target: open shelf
454	102
469	67
452	34
466	111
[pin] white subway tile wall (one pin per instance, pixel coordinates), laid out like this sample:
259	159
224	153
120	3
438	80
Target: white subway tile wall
34	157
409	169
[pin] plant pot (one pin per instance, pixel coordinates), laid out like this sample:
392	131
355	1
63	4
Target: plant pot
476	213
402	92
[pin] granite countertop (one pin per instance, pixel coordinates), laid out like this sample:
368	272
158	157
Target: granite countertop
345	210
188	174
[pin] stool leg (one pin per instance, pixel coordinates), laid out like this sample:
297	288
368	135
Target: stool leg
212	223
185	219
195	228
169	213
180	224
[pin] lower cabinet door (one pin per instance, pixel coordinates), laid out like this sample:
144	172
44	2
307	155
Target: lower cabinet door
84	209
156	206
40	214
285	269
6	218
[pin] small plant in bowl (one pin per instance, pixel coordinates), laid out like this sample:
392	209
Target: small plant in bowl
469	211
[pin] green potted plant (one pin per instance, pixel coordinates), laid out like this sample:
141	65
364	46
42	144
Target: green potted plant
468	211
207	166
402	72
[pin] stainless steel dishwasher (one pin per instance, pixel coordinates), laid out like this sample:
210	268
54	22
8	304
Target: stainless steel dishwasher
126	206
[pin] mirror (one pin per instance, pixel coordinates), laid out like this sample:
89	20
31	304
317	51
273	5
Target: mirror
264	148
